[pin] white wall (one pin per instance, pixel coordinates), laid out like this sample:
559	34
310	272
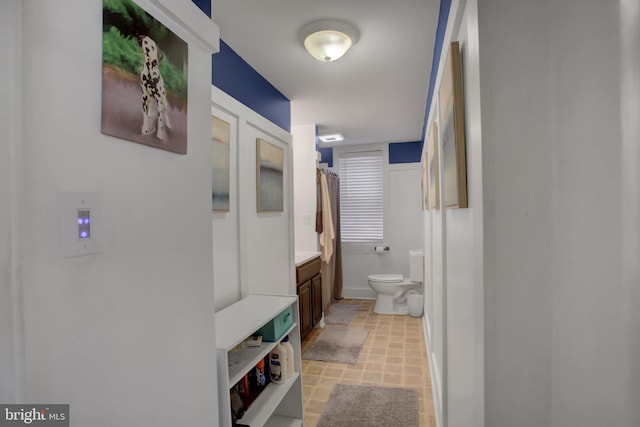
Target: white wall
572	339
266	239
518	204
454	256
132	327
226	225
253	252
304	187
591	340
545	259
402	226
630	201
10	181
403	214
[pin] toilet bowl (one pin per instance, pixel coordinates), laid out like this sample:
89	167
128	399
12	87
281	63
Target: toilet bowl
391	292
392	289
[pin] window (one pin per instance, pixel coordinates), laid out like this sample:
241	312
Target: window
361	201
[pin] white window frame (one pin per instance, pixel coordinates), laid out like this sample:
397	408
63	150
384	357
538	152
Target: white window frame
367	247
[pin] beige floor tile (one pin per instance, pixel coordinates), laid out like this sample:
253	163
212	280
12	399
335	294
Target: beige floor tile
313	370
374	367
393	355
395	351
334	372
315	406
311	420
394	360
321	393
392	379
376	358
413	381
310	380
327	381
375	377
352	375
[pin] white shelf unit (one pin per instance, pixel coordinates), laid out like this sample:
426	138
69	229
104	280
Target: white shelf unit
278	405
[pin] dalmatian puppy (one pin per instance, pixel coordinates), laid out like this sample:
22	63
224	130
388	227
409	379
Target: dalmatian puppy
152	87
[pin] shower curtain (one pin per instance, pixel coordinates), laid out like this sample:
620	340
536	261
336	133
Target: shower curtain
331	270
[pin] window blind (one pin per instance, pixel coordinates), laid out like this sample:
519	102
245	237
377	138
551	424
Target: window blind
361	198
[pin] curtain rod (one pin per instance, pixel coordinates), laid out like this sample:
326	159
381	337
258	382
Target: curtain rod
328	172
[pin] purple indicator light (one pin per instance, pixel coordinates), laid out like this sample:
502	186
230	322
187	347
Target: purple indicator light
84	224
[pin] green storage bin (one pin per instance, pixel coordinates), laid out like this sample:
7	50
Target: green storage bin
274	330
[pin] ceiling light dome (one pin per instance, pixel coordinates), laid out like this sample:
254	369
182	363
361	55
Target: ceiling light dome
328	39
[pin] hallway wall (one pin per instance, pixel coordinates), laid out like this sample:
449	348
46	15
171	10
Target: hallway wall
304	187
454	245
592	315
554	266
10	181
108	333
557	135
253	252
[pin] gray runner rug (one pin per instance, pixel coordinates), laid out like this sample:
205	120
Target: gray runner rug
341	314
370	406
337	344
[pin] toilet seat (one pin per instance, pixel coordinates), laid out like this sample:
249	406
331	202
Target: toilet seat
386	278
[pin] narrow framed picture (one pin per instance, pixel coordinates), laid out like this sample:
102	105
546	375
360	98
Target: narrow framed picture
433	169
424	184
269	177
220	164
454	157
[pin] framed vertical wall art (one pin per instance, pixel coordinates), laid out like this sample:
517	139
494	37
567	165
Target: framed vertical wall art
433	172
454	158
220	164
144	78
424	184
269	177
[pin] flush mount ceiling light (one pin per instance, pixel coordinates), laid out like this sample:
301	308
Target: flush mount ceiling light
334	137
328	39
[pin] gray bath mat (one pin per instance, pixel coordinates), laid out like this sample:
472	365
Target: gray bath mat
369	406
341	314
337	344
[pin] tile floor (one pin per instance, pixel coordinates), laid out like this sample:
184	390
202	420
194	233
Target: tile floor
393	355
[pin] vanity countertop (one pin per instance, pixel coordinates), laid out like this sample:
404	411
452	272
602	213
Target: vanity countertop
303	256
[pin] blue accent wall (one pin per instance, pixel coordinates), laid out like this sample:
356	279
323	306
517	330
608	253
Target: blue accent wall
326	156
234	76
204	5
405	152
399	152
443	17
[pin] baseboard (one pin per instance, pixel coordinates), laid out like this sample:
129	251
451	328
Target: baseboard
437	405
358	293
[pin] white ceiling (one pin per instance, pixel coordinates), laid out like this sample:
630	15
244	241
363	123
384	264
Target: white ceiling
377	92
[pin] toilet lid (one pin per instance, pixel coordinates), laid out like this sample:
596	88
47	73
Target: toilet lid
389	278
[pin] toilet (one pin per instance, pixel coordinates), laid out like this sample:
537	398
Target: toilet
392	289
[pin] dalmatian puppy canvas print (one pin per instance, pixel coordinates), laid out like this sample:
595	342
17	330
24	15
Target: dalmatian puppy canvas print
144	78
152	87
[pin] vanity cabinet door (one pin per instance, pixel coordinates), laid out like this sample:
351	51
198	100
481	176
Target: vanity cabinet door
316	294
306	321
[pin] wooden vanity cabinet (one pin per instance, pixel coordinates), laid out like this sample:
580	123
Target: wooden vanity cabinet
306	309
309	281
316	298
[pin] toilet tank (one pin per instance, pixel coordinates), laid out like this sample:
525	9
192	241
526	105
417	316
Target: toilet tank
416	265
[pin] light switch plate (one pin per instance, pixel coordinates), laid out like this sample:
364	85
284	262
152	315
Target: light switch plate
80	217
